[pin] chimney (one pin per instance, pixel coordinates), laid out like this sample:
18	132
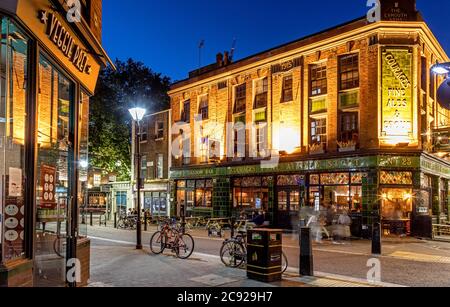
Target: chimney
226	59
219	59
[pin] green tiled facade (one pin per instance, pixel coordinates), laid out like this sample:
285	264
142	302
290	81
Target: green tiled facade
222	197
371	200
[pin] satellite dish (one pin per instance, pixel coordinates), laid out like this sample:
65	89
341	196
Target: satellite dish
443	94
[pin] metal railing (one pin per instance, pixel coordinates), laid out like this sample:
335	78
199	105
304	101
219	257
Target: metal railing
441	231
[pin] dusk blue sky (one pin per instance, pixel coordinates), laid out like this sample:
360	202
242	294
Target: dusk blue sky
164	34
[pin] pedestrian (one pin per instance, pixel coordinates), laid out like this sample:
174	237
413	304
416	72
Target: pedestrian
342	228
316	229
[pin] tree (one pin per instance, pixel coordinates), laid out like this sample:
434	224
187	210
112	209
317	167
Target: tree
132	84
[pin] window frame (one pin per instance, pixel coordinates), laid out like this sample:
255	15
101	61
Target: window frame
321	135
284	96
203	107
317	83
349	69
261	93
240	98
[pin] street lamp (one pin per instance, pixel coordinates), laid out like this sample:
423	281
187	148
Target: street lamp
441	68
138	114
443	92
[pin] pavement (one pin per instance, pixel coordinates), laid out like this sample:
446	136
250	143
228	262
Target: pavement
404	262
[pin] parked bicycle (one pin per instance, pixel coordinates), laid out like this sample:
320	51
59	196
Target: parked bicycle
171	237
233	252
127	222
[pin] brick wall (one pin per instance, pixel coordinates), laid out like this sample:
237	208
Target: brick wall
96	18
295	114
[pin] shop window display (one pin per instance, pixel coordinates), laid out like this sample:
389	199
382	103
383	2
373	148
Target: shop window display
13	102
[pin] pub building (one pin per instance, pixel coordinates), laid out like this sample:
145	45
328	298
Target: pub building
351	114
49	63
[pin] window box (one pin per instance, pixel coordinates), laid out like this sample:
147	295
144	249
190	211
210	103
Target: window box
316	149
347	146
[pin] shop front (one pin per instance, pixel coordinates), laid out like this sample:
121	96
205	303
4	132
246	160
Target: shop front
47	77
155	199
196	196
394	190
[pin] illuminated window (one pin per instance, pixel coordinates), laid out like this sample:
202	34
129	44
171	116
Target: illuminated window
349	71
186	112
160	167
204	148
349	128
240	98
261	89
319	131
203	107
318	83
287	89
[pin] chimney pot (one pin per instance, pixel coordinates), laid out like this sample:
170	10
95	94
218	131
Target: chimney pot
219	59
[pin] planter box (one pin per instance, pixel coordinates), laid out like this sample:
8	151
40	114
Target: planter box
347	149
84	255
18	273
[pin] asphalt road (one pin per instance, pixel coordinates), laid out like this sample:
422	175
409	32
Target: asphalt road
425	264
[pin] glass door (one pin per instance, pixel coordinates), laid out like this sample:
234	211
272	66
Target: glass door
288	208
54	173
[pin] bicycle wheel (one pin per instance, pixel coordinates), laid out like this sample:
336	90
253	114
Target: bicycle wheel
284	263
184	246
59	247
158	243
232	254
121	224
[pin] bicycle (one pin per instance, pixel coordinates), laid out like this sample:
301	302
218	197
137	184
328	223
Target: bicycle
127	222
233	252
171	237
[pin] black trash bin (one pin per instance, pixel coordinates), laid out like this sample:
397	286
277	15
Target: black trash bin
264	254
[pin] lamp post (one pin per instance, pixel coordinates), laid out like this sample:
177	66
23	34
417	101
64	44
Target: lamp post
138	115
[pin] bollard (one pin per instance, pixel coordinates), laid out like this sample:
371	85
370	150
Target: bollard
145	221
376	239
91	221
306	253
115	220
232	226
100	220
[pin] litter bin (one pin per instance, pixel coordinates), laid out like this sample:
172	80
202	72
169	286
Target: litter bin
264	254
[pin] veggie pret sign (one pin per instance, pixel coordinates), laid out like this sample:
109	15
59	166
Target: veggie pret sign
397	95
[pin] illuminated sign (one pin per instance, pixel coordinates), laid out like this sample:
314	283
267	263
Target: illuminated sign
65	42
397	96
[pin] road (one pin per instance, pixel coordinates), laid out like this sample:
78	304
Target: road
409	263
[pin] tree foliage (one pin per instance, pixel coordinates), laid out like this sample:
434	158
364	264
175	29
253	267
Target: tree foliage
132	84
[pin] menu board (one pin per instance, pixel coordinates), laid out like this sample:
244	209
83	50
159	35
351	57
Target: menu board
14	225
48	183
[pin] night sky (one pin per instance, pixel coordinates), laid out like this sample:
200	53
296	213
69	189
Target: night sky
165	34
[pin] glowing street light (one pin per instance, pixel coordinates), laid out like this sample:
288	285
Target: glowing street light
138	114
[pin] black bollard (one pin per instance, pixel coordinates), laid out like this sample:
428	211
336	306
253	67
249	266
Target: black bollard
91	221
145	221
115	220
306	252
232	226
376	239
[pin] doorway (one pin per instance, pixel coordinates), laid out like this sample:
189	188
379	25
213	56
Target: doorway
288	207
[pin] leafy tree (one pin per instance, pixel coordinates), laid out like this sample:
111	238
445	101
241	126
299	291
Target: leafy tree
132	84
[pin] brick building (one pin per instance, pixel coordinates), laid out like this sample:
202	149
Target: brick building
344	120
50	59
155	162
